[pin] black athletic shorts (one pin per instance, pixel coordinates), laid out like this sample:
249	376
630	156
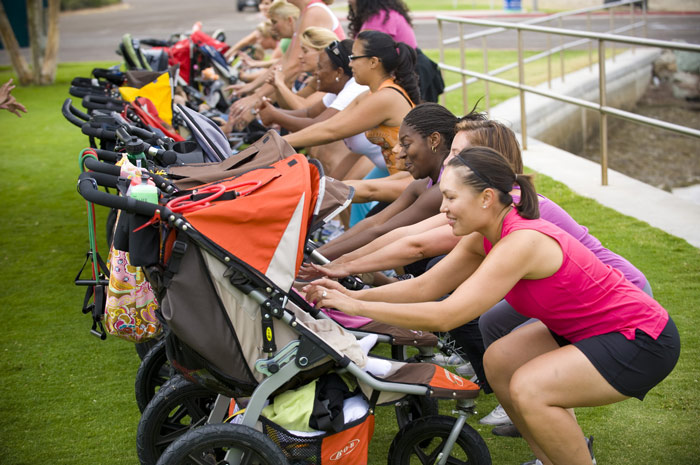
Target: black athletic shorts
632	367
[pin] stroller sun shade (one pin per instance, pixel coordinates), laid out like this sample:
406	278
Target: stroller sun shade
207	134
266	227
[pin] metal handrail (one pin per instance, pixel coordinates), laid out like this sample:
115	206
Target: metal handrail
601	107
542	19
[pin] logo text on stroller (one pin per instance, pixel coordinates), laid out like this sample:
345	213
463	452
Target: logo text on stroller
347	449
454	378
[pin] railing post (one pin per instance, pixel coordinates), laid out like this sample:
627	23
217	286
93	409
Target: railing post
463	65
561	52
644	16
521	81
612	28
603	116
442	56
590	42
549	61
487	92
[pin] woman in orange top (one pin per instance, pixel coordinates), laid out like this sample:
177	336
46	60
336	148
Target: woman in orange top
388	68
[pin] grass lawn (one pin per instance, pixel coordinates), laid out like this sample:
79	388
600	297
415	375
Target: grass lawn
68	398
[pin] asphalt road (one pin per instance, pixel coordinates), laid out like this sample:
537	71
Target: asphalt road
95	34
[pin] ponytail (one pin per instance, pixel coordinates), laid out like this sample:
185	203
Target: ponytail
405	72
397	58
489	169
529	205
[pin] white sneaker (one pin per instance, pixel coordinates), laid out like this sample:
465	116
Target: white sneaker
444	361
465	370
497	417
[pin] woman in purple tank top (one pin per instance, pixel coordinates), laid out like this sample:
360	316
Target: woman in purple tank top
600	339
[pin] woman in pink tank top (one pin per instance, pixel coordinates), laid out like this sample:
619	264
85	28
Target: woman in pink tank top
600	339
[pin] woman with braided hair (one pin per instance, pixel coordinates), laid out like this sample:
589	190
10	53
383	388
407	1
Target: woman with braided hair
425	137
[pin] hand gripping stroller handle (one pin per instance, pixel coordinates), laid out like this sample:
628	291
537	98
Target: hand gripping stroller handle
72	114
88	189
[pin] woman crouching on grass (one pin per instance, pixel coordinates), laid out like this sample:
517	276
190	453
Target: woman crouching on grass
600	339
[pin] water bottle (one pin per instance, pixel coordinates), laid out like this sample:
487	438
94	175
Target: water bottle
145	191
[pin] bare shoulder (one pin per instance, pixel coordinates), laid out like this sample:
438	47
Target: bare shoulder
315	17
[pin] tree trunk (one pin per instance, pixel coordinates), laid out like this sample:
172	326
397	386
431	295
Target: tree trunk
37	36
19	64
48	69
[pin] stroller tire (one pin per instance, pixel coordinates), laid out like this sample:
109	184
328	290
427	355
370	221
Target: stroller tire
412	408
154	371
143	348
209	444
177	407
422	440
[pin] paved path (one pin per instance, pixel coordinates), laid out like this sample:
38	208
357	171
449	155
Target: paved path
95	34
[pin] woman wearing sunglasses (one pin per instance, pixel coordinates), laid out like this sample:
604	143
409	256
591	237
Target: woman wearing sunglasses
387	68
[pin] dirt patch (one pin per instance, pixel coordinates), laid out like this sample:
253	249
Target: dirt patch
658	157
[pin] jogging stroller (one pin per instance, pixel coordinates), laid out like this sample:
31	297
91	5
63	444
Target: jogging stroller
232	252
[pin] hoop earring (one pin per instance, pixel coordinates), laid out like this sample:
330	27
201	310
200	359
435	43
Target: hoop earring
434	149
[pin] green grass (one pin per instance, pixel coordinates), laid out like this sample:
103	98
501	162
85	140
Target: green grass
67	398
447	5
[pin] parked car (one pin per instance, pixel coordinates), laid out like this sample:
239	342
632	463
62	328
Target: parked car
244	3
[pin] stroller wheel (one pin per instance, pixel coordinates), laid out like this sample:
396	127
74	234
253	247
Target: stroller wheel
209	445
152	374
412	408
143	348
176	408
422	440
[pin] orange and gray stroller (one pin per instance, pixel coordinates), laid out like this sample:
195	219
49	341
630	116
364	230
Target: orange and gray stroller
231	251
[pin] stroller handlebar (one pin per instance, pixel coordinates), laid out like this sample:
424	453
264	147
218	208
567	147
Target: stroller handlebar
99	133
72	114
88	189
100	167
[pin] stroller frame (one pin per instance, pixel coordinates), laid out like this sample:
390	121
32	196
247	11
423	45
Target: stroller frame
295	357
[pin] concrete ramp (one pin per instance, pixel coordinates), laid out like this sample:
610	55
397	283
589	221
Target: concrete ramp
624	194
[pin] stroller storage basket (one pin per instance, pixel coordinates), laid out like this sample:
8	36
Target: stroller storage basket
347	447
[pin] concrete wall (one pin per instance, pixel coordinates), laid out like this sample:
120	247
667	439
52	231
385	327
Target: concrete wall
652	5
567	126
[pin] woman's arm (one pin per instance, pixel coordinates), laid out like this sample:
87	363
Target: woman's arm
250	39
397	234
367	111
295	120
524	254
356	236
437	241
385	189
306	97
426	205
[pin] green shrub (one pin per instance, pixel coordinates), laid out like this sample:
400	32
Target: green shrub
79	4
